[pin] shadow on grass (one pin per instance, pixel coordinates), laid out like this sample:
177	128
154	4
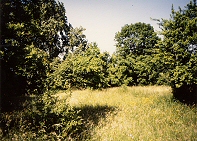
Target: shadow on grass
91	116
95	113
170	101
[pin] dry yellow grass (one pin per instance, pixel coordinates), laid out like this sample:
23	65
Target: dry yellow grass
134	113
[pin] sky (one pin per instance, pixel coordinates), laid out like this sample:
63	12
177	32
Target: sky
103	18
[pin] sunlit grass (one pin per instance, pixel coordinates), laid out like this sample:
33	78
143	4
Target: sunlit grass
134	113
114	114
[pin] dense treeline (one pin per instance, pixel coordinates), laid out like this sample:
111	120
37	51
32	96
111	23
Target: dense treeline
136	62
141	58
41	51
33	40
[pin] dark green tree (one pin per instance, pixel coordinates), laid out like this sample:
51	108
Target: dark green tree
134	61
149	70
179	51
33	32
136	39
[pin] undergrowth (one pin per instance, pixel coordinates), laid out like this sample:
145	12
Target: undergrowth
114	114
45	117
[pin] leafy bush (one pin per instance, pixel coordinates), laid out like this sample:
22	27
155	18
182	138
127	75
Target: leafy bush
87	69
137	70
120	71
179	51
46	117
31	35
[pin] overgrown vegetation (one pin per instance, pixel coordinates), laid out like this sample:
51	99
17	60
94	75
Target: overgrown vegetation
122	113
46	117
83	70
178	49
42	53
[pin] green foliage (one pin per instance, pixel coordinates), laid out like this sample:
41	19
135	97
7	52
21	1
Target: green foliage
136	61
35	66
136	39
33	33
77	40
179	49
149	70
137	70
82	70
42	23
47	117
120	71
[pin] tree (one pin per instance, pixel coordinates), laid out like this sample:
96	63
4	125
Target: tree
120	71
33	34
136	39
41	22
148	70
83	70
77	40
134	63
178	49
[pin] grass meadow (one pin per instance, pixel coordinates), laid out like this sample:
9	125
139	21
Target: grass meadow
115	114
134	113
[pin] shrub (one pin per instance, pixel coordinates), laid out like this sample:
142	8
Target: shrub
47	117
87	69
179	51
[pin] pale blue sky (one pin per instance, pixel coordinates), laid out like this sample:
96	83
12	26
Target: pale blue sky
103	18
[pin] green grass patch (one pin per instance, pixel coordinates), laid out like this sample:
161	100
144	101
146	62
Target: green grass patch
134	113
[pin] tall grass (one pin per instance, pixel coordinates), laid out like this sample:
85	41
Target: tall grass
114	114
134	113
